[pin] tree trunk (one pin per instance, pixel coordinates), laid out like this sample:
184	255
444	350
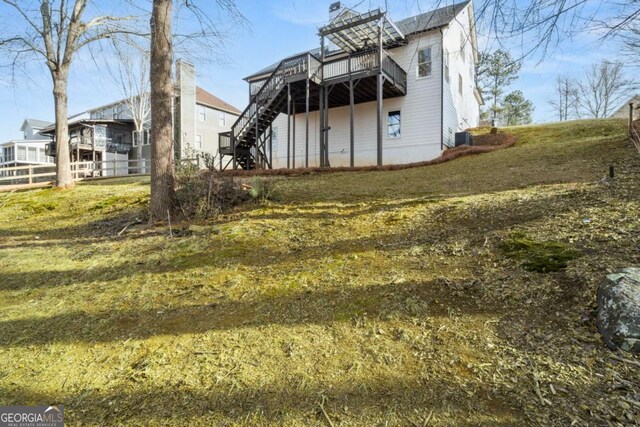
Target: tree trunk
140	132
64	179
162	192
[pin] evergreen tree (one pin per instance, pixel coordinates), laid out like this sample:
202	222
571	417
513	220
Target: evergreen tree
516	109
495	72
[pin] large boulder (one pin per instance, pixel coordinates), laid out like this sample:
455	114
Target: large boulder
619	310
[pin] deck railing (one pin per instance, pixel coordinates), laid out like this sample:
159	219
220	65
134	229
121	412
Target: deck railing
224	140
288	68
88	143
397	74
364	62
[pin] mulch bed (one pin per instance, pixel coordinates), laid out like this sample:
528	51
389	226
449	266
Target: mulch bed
482	144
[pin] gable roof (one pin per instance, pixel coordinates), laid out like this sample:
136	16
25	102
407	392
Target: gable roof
210	100
413	25
431	20
202	97
35	124
624	108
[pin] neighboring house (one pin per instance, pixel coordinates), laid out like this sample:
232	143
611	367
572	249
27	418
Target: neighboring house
27	151
366	97
623	111
107	133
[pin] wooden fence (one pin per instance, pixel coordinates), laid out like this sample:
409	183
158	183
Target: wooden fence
40	174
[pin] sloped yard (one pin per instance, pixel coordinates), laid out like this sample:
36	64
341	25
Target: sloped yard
456	294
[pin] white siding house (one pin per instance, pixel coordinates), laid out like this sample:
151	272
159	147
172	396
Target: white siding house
436	50
107	133
27	151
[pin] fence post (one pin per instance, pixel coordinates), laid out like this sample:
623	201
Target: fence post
30	174
115	167
631	119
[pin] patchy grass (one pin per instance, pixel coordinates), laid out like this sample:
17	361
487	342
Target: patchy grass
384	297
541	257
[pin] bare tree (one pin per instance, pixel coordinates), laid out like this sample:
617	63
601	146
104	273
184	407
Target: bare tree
131	72
603	89
564	100
206	34
630	39
54	31
539	25
162	171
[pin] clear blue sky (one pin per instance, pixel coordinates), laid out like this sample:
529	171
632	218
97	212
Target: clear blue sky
277	28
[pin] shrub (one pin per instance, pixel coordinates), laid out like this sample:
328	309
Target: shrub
262	189
207	193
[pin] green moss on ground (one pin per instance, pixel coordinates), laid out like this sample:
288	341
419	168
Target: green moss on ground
386	295
541	257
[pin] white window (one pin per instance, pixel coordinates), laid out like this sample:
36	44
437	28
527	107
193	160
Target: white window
135	136
460	84
424	62
198	142
9	154
446	64
22	153
32	155
202	113
393	124
146	137
222	118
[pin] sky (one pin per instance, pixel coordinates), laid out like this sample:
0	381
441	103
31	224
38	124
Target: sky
273	30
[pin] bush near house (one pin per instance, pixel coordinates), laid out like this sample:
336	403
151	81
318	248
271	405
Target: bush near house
360	298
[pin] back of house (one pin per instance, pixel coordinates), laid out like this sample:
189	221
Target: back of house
376	92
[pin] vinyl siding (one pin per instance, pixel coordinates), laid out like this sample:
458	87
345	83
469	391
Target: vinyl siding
461	112
211	128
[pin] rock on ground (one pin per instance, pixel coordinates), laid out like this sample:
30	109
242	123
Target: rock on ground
619	310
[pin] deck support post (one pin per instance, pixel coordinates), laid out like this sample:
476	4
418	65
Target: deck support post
293	141
288	125
271	146
379	94
321	120
351	114
306	116
257	158
233	144
321	111
326	127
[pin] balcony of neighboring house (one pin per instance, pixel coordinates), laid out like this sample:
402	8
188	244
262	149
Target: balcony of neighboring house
97	138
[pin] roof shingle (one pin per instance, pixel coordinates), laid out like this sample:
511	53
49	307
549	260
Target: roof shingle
209	99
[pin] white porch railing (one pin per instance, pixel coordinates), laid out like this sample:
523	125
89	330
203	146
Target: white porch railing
32	174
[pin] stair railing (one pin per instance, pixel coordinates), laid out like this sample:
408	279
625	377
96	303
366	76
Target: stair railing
269	90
